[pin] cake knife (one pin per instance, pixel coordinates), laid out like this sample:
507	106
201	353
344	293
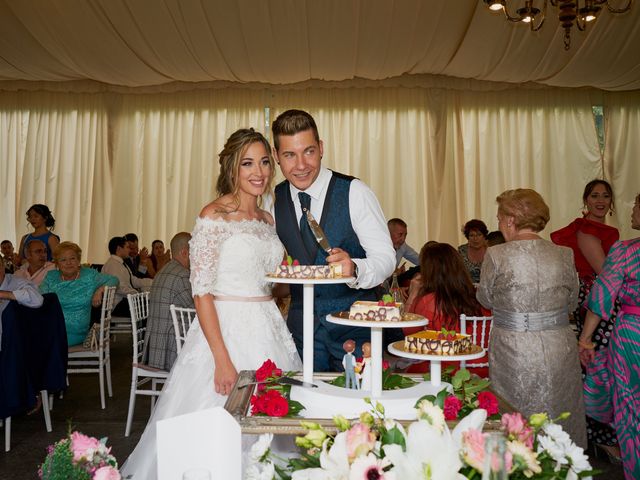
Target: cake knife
317	231
285	380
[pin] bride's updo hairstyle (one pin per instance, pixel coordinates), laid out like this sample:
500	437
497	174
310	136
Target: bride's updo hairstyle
526	206
230	156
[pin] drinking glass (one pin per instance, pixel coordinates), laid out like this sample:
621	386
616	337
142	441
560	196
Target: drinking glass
495	447
196	474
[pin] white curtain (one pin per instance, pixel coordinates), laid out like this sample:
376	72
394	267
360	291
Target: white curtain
111	163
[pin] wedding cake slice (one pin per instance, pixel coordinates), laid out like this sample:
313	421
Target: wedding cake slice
292	269
385	310
430	342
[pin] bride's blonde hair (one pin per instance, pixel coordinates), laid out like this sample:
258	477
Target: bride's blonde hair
230	156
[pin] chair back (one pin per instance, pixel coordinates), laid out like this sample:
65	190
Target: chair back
108	297
182	318
479	328
139	310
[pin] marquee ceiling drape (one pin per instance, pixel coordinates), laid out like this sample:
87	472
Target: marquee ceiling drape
156	42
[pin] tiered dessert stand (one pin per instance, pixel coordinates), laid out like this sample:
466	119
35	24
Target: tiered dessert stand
327	400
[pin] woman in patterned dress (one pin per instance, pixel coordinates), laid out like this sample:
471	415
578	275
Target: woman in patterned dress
612	384
590	238
475	231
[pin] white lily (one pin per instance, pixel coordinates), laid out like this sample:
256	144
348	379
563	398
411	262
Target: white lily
334	462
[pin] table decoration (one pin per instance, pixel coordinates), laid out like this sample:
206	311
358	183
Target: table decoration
272	396
374	447
79	457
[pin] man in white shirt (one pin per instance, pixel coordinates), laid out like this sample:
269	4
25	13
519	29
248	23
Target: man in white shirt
37	266
129	283
353	221
398	231
22	291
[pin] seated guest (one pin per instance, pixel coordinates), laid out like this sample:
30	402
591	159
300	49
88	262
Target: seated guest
531	285
138	260
171	285
495	238
159	256
10	259
36	266
78	288
42	221
22	291
128	283
442	292
398	231
473	251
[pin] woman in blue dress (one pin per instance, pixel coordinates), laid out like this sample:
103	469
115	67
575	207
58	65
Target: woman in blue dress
42	221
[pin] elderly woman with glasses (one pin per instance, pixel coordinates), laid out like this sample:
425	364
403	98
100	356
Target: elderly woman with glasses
78	288
475	231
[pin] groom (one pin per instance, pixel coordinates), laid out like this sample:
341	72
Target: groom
349	213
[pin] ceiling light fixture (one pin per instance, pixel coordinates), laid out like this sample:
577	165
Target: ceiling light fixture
570	13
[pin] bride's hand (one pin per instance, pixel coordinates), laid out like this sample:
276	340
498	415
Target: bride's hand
224	377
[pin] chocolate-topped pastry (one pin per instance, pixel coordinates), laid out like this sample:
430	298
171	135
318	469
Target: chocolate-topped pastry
430	342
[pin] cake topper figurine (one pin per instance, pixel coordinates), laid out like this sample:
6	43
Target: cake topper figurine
349	363
365	367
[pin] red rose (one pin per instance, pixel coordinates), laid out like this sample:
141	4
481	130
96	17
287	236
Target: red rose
385	364
452	406
268	369
489	402
276	404
258	404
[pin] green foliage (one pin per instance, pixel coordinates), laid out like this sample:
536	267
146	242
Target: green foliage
59	464
393	436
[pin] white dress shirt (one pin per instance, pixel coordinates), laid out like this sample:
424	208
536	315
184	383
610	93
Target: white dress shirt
128	283
368	222
26	294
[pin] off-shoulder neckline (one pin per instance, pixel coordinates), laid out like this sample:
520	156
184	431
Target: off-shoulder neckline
222	220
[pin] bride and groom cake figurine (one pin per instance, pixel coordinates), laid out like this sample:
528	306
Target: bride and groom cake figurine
357	374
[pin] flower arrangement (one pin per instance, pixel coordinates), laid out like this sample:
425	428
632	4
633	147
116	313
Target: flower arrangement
469	392
79	457
271	397
374	447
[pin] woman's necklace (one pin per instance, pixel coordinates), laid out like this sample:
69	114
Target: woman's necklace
70	279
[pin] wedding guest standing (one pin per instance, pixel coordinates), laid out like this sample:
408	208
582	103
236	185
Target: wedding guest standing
612	383
530	285
42	221
590	238
10	259
78	288
475	231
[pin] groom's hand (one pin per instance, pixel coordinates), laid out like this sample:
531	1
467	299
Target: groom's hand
340	256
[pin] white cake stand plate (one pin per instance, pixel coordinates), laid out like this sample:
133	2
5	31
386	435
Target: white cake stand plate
307	315
397	348
328	400
408	320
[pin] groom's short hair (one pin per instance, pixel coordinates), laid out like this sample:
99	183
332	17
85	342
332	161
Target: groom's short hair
292	122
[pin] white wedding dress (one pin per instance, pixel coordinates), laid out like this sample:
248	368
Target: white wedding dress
228	259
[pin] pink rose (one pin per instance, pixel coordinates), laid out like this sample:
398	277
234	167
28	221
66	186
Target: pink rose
489	402
81	443
107	473
517	428
452	406
360	440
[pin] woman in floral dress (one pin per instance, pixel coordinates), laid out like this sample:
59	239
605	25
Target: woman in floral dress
612	384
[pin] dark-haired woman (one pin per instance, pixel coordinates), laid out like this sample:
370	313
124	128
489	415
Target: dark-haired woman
442	292
42	221
159	256
475	231
590	238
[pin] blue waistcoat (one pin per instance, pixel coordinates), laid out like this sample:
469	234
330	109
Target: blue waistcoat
336	224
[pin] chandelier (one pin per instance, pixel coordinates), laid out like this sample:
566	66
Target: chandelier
570	13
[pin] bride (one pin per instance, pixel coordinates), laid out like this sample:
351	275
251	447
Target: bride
234	244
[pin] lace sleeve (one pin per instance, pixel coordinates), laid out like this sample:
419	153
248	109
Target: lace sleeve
204	251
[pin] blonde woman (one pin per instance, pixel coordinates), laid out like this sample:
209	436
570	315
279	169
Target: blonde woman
234	245
530	284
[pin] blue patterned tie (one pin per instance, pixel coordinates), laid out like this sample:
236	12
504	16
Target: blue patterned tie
307	236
